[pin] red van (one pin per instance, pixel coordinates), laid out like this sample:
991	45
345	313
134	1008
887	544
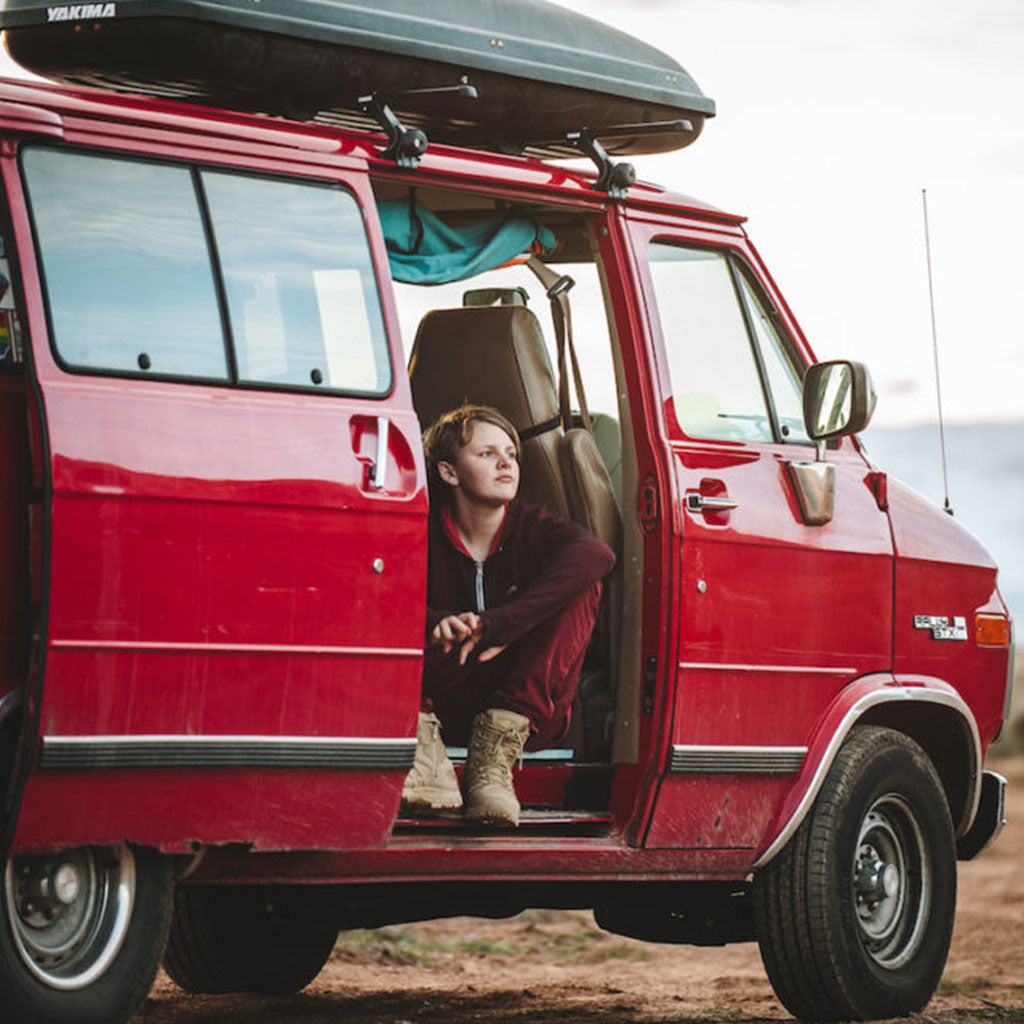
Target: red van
228	309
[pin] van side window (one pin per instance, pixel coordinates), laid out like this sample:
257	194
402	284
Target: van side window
167	270
716	386
126	265
300	287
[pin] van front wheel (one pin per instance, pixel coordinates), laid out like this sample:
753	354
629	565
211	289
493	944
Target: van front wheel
81	934
854	915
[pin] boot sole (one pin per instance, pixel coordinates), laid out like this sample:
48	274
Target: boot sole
426	807
483	818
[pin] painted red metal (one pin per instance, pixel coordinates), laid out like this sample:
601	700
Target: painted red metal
217	565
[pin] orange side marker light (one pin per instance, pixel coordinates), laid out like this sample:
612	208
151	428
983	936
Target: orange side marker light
991	630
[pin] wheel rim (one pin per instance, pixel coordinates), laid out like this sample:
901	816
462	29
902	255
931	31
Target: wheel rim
69	912
892	882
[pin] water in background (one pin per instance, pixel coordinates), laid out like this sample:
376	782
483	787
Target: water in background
986	486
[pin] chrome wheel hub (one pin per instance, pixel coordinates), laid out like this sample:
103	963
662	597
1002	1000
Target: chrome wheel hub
69	912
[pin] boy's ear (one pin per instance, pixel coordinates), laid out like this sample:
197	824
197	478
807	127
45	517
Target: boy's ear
446	471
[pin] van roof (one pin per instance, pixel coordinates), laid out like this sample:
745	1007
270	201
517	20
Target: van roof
45	109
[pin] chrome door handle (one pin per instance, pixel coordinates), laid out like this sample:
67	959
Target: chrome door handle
379	468
697	502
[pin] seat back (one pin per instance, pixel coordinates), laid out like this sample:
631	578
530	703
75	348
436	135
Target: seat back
494	355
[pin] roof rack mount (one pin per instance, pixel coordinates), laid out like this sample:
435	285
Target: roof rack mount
406	145
616	178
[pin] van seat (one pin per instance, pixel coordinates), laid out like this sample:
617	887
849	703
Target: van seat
494	355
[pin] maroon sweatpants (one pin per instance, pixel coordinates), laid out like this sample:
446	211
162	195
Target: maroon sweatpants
536	677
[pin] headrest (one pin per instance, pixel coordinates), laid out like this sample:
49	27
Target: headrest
487	355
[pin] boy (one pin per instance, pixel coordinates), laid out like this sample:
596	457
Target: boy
512	594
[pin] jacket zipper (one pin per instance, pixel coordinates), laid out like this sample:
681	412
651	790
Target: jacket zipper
479	586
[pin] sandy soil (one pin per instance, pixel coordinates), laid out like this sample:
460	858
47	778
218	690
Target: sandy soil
557	966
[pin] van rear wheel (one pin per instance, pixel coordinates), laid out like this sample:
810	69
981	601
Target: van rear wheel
854	916
245	939
81	934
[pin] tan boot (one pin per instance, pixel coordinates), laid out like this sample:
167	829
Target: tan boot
495	744
431	786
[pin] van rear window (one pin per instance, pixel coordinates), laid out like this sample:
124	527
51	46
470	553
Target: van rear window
174	271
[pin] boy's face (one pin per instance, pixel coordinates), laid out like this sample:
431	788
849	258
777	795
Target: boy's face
486	468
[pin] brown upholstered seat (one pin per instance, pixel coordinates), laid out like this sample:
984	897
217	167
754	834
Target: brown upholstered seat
494	355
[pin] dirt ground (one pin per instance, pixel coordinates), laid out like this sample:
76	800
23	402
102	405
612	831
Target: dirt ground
557	966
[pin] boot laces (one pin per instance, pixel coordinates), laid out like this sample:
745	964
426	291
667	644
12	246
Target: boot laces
496	751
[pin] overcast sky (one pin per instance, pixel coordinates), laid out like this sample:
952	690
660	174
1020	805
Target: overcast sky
832	116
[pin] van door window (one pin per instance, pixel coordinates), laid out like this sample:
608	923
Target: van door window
301	291
126	265
782	366
712	366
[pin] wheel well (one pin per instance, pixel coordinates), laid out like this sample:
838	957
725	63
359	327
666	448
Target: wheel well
943	734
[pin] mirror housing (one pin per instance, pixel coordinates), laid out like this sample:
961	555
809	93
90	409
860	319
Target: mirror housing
839	399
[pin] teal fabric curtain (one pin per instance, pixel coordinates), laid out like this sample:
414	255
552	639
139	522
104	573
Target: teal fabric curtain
422	249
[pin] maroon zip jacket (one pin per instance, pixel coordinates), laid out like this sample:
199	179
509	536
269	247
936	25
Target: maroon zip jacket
539	563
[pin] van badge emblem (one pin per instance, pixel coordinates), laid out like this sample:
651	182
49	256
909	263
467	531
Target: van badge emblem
942	626
81	12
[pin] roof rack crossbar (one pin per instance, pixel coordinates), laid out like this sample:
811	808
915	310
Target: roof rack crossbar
617	131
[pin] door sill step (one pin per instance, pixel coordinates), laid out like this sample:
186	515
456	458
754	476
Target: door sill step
532	821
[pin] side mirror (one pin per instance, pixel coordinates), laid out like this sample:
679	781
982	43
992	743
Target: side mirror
839	399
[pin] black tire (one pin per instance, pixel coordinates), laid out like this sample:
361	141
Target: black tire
854	915
81	934
244	939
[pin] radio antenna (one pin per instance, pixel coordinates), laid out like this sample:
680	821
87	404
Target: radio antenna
946	507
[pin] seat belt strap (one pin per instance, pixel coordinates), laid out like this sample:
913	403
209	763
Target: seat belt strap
558	287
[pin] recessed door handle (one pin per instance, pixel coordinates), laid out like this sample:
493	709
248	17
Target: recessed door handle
378	471
697	502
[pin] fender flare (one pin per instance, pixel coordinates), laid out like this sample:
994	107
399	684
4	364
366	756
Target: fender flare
867	693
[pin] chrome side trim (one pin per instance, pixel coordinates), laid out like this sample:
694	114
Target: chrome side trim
200	648
78	753
718	666
885	696
719	760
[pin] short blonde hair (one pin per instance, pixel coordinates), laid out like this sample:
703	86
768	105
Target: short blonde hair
453	430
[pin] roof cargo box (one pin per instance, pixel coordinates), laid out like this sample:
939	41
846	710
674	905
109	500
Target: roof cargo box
540	71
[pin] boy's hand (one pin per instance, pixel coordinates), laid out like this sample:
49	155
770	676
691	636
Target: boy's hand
462	631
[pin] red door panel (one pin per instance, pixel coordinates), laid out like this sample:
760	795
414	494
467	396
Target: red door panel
774	616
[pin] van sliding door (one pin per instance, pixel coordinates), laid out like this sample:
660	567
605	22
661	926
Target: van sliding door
236	566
